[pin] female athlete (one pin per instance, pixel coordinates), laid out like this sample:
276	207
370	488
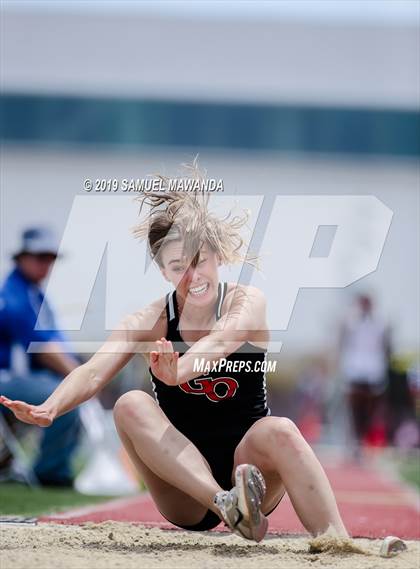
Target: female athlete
206	446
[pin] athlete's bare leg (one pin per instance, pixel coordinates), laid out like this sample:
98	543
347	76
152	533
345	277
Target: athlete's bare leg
287	462
176	474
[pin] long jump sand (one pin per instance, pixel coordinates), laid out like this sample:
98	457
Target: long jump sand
117	544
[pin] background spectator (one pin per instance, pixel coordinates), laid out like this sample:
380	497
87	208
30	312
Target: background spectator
34	378
364	347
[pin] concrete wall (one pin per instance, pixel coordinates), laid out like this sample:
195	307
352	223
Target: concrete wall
107	52
40	186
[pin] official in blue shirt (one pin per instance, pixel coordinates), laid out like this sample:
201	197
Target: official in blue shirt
33	377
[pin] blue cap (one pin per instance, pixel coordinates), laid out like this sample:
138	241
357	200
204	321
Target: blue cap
38	240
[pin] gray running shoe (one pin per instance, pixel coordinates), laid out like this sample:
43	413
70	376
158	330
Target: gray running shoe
240	507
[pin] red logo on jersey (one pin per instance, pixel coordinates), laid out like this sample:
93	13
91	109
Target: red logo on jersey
214	389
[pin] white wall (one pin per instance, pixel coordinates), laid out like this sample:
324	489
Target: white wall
269	59
107	52
40	185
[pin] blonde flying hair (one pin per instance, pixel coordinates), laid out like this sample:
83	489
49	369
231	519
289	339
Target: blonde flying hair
184	216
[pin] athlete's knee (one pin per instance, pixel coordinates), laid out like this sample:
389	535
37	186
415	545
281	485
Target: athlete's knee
131	404
284	433
273	432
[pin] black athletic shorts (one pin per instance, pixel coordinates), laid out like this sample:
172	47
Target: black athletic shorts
219	453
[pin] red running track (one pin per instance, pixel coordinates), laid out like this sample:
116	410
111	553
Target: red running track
371	506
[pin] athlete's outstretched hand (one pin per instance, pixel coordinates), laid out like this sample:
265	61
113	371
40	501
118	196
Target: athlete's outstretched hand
33	414
164	362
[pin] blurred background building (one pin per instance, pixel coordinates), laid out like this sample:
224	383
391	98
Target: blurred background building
278	98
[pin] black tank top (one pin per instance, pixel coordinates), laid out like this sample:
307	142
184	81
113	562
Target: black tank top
216	403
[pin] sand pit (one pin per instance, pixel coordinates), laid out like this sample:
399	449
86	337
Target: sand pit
116	544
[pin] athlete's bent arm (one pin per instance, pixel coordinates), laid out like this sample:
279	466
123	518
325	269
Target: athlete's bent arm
243	320
89	378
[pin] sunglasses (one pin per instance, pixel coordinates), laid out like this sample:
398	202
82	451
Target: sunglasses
44	257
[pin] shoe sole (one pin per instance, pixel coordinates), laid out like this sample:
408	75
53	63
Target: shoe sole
250	487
